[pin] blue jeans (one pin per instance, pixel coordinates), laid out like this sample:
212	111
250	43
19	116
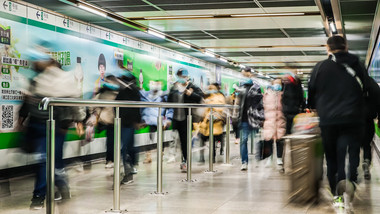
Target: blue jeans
37	132
127	149
245	129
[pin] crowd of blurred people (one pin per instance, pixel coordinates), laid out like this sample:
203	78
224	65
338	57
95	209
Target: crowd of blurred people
346	110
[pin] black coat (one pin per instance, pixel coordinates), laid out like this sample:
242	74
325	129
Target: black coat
129	116
195	97
336	94
293	101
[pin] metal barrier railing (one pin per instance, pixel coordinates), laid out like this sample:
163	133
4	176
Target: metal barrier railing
49	103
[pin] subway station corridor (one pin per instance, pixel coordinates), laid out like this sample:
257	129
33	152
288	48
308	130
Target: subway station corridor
261	189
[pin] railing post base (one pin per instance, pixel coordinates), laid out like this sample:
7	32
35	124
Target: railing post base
155	193
116	211
211	171
189	181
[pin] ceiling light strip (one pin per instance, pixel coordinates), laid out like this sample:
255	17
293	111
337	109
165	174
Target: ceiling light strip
156	34
92	10
184	44
267	14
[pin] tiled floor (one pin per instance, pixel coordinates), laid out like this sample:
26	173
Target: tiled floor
229	190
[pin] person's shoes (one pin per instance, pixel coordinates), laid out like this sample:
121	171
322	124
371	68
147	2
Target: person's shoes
237	141
268	163
280	165
367	173
109	165
64	191
244	167
128	179
171	160
134	170
57	196
338	203
183	167
37	202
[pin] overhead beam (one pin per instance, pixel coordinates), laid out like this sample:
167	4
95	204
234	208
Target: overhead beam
267	46
324	18
224	16
335	5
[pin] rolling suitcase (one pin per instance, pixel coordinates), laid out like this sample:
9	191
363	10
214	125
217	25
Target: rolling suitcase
304	165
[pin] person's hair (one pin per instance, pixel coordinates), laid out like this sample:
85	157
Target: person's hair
101	61
246	69
182	72
217	85
337	43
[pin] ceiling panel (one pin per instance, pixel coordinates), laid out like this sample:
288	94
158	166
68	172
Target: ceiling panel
358	7
213	24
230	34
286	3
207	6
260	42
289	59
110	3
276	53
305	32
358	19
299	48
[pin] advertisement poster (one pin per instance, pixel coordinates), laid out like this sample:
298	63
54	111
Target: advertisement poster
89	54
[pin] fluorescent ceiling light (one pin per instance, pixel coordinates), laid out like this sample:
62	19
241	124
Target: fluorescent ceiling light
184	45
332	27
267	14
92	10
177	17
223	59
209	54
157	34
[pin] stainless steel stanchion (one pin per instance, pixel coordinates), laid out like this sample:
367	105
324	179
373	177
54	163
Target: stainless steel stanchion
50	163
211	144
159	153
189	148
116	168
227	143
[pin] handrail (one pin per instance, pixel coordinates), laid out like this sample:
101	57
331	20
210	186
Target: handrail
50	101
48	104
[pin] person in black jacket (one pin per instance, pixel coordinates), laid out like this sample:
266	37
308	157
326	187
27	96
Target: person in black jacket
130	119
372	112
336	92
293	101
183	91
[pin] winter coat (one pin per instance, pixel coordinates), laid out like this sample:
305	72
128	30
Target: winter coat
195	97
104	115
52	82
129	116
293	101
275	123
149	115
250	101
336	94
218	115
